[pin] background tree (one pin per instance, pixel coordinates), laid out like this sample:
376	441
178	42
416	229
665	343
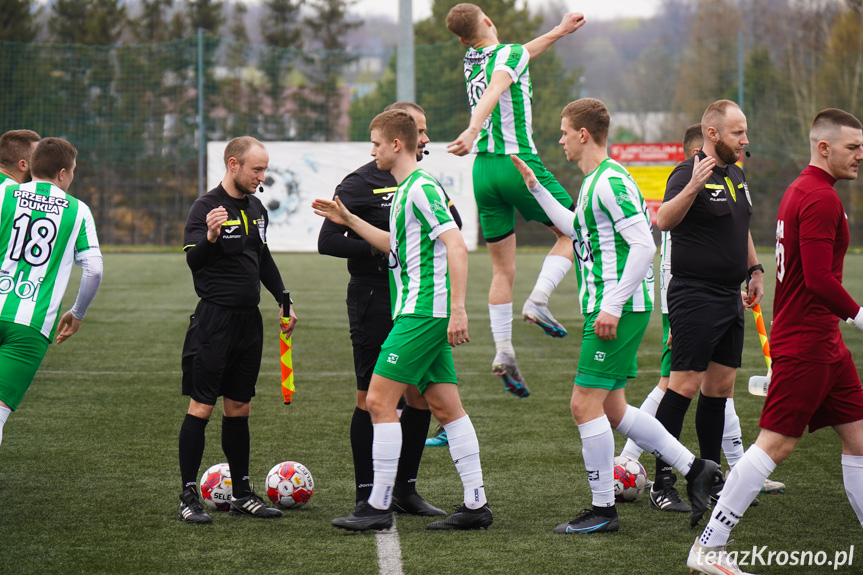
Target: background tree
284	39
322	94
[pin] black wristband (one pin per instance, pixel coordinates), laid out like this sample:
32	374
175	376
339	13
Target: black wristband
753	269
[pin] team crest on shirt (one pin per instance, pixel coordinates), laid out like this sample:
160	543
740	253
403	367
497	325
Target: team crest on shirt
438	206
262	230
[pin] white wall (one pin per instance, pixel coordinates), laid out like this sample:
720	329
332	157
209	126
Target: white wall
303	171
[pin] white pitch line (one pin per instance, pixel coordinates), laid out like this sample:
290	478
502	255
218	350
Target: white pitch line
389	551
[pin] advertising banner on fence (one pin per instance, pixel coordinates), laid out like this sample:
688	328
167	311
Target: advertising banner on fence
302	171
650	166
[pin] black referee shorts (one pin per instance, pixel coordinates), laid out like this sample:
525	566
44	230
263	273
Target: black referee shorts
222	353
370	319
706	325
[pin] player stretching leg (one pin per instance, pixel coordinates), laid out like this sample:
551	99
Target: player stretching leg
814	381
615	251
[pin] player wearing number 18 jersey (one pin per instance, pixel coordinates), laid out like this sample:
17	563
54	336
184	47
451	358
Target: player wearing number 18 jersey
45	230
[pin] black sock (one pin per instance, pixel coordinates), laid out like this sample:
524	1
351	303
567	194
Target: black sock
710	425
610	511
415	428
670	413
236	445
191	447
697	468
362	434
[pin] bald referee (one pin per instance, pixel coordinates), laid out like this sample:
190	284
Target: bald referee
226	249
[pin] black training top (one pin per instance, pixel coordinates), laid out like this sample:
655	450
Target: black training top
368	193
711	243
230	271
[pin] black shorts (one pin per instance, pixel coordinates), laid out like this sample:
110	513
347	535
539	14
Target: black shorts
222	353
370	318
706	325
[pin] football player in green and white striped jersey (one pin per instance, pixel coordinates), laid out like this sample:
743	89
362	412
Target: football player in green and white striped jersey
500	94
615	249
16	147
45	230
428	279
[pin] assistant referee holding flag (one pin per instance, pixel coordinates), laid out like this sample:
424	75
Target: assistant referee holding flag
226	248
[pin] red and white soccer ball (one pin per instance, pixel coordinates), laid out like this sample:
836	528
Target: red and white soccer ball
290	485
216	487
630	479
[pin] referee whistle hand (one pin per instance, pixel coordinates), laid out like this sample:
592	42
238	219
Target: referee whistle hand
215	218
701	171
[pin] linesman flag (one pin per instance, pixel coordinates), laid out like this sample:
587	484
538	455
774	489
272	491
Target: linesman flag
762	333
285	351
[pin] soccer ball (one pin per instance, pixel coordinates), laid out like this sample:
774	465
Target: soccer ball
216	487
290	485
630	479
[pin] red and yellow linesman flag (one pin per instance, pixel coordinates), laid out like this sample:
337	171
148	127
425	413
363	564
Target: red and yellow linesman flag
762	333
285	352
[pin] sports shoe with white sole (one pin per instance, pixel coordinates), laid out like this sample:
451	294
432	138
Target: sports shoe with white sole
253	506
712	561
589	521
505	366
464	519
667	498
191	510
771	486
535	313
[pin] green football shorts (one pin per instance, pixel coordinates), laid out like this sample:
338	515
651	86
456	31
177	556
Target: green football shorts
499	190
665	365
22	350
417	352
612	360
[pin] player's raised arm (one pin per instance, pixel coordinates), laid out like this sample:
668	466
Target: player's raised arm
570	22
335	211
500	82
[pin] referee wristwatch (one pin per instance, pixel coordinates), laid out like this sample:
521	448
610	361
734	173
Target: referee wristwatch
752	270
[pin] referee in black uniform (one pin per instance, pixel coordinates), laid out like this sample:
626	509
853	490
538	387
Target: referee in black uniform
368	193
707	208
226	248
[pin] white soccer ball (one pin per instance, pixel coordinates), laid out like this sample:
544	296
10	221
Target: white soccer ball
216	487
290	485
630	479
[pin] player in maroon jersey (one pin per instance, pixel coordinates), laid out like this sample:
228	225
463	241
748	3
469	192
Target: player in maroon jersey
814	382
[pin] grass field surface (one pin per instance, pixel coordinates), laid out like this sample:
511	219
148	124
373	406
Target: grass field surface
89	473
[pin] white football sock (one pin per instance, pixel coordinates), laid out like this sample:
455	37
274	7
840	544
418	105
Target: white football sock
732	437
386	448
852	474
651	436
501	327
597	448
743	484
464	450
4	415
648	406
554	269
